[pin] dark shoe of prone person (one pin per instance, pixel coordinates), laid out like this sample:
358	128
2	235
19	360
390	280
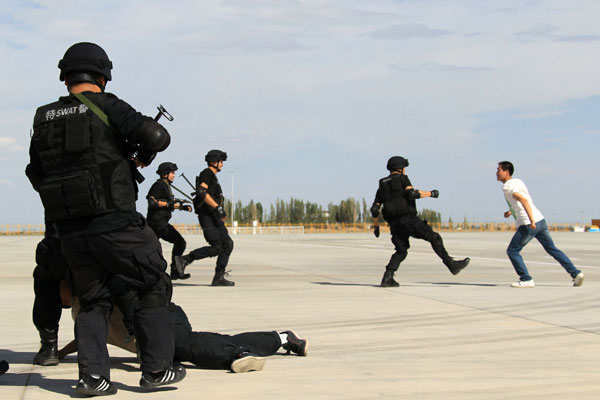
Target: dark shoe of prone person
247	362
295	344
172	375
91	385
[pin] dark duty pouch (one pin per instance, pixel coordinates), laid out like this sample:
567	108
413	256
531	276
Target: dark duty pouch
69	196
77	137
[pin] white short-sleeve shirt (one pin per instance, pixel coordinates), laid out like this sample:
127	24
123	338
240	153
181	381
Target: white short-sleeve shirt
514	185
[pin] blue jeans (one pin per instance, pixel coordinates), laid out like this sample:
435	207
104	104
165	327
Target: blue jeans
522	236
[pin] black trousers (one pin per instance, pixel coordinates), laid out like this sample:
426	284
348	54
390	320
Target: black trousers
402	228
47	305
50	270
169	234
133	254
216	351
220	243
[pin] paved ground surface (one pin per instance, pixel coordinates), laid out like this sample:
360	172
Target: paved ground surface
437	336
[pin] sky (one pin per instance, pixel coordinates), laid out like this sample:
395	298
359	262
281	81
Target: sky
310	98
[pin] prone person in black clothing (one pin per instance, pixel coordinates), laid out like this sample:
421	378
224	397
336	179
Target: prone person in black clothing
161	203
208	204
243	352
398	198
84	152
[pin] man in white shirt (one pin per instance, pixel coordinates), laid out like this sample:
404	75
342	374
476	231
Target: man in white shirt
530	224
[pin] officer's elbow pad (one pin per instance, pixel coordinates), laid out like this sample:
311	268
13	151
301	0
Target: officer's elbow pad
375	210
200	194
154	137
413	194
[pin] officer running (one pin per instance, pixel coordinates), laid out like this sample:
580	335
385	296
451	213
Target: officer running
83	154
397	195
161	203
208	204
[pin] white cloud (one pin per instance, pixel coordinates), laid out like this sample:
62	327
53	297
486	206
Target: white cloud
9	144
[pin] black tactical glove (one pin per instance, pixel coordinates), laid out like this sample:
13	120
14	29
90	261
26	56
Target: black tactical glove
376	231
183	207
219	212
171	204
145	157
435	193
375	210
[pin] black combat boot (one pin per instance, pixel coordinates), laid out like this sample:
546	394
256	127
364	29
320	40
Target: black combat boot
219	278
175	274
455	266
178	267
388	279
48	354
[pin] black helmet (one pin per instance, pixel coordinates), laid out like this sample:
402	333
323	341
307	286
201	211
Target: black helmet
85	57
397	162
165	168
215	156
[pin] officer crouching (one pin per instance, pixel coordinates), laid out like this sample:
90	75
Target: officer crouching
398	198
83	156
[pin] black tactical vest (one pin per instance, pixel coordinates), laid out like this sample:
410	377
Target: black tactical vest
214	190
160	215
85	170
393	194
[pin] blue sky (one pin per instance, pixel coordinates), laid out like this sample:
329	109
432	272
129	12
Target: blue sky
310	98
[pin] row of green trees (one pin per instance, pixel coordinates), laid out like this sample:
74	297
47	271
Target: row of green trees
298	211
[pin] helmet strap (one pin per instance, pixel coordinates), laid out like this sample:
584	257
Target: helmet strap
80	77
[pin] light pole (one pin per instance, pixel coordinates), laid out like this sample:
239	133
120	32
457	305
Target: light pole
232	200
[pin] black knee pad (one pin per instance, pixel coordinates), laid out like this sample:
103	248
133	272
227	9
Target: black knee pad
402	254
218	248
433	237
158	296
228	246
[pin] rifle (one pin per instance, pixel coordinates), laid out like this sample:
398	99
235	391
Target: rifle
183	193
188	181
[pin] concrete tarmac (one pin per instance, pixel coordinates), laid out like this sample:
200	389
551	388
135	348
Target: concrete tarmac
437	336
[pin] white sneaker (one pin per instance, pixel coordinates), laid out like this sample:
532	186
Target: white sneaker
578	280
524	284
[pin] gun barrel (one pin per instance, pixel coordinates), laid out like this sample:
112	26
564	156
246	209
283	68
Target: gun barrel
188	181
182	192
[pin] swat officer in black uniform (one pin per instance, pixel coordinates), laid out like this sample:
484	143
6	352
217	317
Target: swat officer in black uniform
83	156
161	203
397	195
208	204
49	279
